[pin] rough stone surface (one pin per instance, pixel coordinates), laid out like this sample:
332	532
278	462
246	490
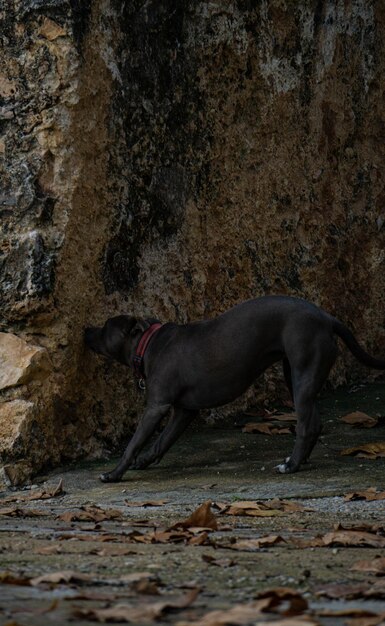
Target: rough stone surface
173	159
21	362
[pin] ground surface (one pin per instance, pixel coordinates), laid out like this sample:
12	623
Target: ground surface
109	547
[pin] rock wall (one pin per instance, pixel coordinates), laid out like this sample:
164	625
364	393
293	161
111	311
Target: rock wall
173	158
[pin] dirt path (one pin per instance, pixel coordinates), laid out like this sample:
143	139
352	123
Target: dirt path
278	549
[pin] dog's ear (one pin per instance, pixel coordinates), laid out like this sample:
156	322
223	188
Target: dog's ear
139	327
142	324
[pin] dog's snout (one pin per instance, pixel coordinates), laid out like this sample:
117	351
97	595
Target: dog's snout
90	335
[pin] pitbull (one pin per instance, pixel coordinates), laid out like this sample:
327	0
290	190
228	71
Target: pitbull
206	364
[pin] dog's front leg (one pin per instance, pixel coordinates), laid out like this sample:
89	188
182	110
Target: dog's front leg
175	427
146	427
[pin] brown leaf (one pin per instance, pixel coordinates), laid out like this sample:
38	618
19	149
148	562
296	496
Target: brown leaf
267	428
142	582
236	616
357	418
277	595
353	538
375	620
298	620
255	544
137	614
266	508
369	495
348	612
57	578
242	614
7	578
51	549
375	566
146	503
41	494
282	417
343	590
366	450
202	517
90	514
19	512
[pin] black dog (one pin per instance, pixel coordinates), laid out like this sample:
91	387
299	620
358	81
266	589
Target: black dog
210	363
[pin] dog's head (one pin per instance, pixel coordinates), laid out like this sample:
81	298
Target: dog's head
116	338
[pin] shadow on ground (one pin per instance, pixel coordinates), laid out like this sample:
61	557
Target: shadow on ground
108	546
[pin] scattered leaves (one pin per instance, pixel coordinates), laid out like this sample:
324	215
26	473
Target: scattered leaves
15	511
137	614
266	428
256	544
282	417
369	494
64	577
41	494
238	615
146	503
277	595
360	419
343	537
352	591
265	508
375	566
366	450
90	513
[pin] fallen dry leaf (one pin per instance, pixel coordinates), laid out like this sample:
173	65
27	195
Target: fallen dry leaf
375	566
90	514
266	428
7	578
281	417
375	620
342	537
137	614
348	612
353	538
343	590
265	508
202	517
299	620
236	616
51	549
242	614
41	494
369	495
146	503
57	578
253	509
255	544
19	512
277	595
366	450
358	418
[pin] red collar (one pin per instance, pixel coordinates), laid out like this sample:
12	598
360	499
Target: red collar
142	347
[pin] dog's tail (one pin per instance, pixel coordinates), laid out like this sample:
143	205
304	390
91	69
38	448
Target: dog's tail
349	339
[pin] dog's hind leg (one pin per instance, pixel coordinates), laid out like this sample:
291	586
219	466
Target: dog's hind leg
146	427
308	378
175	427
287	375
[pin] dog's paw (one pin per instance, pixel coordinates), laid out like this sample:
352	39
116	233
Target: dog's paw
109	477
286	467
